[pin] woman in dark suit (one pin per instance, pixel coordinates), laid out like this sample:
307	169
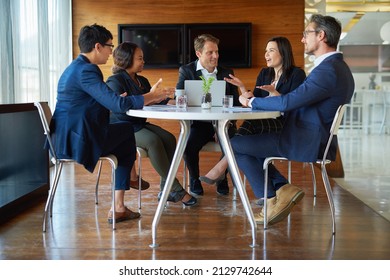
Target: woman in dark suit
282	74
309	112
160	143
80	124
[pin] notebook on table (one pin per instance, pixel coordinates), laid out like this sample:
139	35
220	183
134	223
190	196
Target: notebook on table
193	90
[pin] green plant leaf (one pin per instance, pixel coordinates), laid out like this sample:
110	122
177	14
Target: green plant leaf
207	84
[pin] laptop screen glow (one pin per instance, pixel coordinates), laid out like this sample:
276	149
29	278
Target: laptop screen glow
193	90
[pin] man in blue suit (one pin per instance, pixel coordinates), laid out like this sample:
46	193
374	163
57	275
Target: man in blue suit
309	112
206	49
80	123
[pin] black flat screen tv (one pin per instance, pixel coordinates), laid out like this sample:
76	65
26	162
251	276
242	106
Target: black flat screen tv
235	46
172	45
161	44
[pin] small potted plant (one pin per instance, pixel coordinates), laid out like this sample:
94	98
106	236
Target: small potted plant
206	98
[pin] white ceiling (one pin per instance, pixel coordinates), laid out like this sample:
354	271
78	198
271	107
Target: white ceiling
366	31
361	19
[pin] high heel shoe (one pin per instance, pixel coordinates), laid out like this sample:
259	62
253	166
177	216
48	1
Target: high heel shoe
209	181
191	202
178	196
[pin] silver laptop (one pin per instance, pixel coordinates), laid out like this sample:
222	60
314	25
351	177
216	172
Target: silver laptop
193	90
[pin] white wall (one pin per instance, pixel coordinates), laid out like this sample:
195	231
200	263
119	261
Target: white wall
362	80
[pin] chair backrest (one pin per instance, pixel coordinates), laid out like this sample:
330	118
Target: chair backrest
335	127
46	115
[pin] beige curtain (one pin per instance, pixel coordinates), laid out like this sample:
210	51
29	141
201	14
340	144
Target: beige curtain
36	49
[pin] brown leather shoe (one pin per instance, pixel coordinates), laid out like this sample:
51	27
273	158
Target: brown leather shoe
123	216
259	217
144	185
279	207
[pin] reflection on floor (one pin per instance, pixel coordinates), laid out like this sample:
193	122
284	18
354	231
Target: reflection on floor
366	165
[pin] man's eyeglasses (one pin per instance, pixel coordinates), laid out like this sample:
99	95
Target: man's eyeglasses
306	32
109	45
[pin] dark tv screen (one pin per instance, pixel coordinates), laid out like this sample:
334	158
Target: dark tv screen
172	45
162	45
234	42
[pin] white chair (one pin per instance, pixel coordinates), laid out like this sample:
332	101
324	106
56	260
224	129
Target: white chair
141	154
353	117
46	115
323	162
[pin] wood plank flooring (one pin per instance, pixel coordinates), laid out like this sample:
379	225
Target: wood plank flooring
215	229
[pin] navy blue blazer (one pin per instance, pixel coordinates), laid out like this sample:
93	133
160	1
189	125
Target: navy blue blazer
122	82
188	72
310	109
81	117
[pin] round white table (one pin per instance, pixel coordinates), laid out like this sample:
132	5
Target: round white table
221	117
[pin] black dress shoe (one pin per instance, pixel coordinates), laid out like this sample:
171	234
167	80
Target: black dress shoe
196	187
173	196
223	187
191	202
178	196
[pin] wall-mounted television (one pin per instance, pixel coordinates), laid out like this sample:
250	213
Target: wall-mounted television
161	44
235	46
172	45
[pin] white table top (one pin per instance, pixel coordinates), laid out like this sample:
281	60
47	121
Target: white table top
197	113
222	117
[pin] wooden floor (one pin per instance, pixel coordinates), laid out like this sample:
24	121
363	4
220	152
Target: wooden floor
216	229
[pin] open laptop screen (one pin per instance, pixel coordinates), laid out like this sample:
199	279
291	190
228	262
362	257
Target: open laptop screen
193	90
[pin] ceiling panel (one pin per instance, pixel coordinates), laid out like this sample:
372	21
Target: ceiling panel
366	31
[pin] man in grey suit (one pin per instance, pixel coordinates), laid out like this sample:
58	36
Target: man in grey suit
206	49
309	112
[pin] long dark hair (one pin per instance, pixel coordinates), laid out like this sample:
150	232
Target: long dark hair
286	53
123	56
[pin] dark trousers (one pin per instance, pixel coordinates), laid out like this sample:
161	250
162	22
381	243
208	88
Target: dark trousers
250	152
200	134
121	143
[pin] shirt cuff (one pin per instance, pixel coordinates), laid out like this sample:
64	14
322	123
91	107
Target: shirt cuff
250	102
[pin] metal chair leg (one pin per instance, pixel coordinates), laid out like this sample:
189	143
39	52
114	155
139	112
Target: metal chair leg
52	191
329	193
313	174
139	180
265	167
97	182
